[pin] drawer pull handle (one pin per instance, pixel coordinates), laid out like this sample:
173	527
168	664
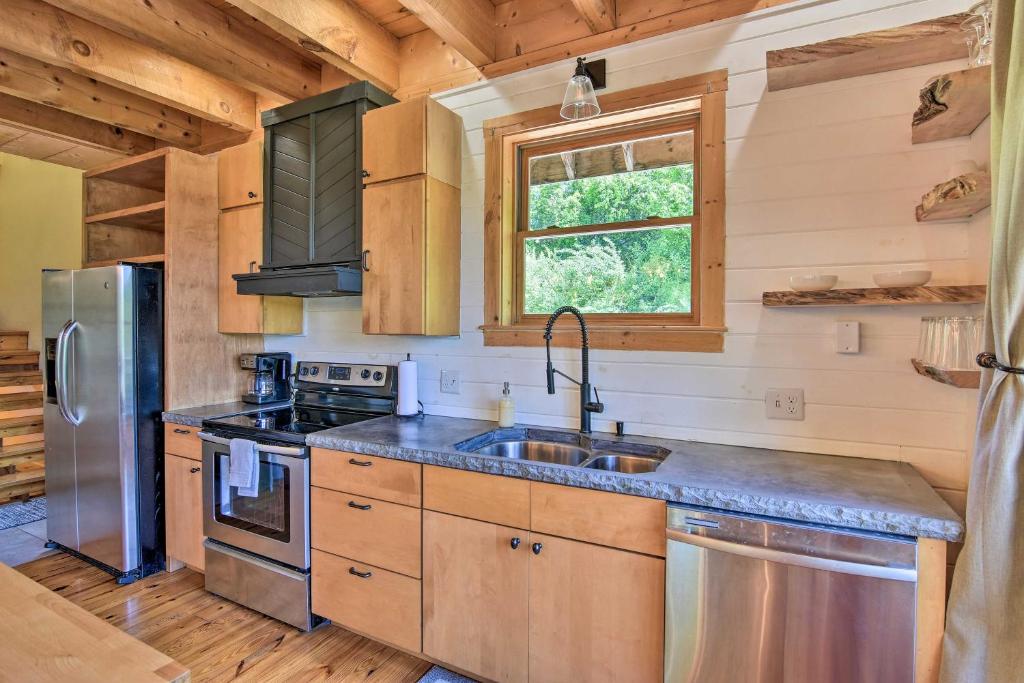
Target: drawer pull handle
537	548
359	463
195	469
182	431
515	543
362	575
357	506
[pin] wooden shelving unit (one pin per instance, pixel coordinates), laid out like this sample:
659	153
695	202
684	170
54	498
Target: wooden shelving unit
146	217
963	379
152	258
953	105
926	42
959	198
22	463
878	296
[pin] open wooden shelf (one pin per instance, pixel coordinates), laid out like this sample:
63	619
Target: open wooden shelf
959	198
879	296
153	258
952	105
145	170
926	42
963	379
146	217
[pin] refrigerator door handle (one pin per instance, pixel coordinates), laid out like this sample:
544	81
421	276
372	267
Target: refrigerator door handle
62	372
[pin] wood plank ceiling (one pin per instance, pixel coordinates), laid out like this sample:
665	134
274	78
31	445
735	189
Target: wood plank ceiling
85	81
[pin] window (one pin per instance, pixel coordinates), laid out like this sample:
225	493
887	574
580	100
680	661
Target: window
621	216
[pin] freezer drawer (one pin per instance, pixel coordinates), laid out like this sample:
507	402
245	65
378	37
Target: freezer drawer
749	600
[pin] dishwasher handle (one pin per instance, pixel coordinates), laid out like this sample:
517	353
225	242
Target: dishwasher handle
794	559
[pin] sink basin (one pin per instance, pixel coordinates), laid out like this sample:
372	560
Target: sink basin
538	451
628	464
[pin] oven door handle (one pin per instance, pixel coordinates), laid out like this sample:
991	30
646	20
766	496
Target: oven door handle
263	448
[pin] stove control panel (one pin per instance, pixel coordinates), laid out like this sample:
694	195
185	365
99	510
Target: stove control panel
342	375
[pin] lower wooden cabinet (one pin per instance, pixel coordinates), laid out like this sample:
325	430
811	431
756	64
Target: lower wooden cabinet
475	596
183	490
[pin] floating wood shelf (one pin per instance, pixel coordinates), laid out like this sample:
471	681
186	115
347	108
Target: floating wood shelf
964	379
961	197
147	216
953	105
926	42
152	258
879	296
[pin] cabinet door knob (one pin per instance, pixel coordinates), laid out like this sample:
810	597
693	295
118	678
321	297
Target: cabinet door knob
362	575
252	195
195	469
359	463
364	260
366	174
515	543
537	548
182	431
357	506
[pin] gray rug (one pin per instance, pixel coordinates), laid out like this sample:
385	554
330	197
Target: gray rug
16	514
440	675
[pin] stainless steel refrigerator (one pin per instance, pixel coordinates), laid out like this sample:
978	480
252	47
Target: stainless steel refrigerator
103	332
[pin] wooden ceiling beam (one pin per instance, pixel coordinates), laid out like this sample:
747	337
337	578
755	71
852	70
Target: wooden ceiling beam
599	15
467	25
66	126
335	31
54	86
42	31
197	32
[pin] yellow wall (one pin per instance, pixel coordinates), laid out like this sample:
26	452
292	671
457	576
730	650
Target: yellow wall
40	227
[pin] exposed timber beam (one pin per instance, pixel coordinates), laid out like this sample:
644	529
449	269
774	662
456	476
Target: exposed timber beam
467	25
42	31
71	127
336	31
599	15
196	32
54	86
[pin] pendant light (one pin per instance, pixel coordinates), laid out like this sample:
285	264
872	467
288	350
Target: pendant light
580	101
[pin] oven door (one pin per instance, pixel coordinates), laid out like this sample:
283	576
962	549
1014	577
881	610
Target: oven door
273	524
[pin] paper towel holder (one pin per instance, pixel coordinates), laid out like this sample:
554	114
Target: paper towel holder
407	385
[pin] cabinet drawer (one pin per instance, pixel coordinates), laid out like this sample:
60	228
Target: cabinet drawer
394	481
486	497
383	605
383	534
611	519
183	441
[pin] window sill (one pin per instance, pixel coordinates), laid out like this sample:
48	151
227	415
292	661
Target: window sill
613	337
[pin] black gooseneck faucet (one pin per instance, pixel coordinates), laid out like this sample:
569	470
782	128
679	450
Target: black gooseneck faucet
586	405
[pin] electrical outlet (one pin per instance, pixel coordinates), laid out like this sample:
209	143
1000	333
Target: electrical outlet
784	404
450	382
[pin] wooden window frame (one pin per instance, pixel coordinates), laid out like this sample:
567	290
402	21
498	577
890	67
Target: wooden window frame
700	97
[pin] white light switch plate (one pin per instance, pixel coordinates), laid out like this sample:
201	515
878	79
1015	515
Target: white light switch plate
784	404
450	382
847	336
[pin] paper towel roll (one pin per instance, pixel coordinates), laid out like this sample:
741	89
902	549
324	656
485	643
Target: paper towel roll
408	400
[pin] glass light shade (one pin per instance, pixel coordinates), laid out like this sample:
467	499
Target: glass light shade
580	102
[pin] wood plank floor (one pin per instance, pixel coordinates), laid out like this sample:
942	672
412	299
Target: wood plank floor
217	639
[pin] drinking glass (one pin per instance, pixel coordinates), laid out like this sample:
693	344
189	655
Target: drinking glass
926	340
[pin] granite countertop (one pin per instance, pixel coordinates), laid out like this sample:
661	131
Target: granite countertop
857	493
193	417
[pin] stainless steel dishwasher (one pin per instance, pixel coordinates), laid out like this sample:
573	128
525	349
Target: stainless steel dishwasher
749	600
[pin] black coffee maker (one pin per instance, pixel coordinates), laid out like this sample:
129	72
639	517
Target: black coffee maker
268	377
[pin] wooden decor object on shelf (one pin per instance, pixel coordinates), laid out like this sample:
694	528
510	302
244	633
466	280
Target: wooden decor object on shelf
961	197
963	379
22	467
879	296
952	105
926	42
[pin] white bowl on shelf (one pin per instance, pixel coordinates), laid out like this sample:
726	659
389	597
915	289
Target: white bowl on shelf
812	283
902	278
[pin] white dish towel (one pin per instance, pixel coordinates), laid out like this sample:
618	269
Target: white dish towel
244	467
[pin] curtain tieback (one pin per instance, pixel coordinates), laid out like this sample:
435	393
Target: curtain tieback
988	360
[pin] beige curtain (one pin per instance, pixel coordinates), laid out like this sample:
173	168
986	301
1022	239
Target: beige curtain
984	640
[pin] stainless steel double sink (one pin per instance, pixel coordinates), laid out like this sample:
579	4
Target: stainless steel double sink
565	448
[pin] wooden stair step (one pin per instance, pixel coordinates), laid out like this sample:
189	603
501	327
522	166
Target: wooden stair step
13	340
22	382
16	439
22	453
19	360
18	401
33	411
22	484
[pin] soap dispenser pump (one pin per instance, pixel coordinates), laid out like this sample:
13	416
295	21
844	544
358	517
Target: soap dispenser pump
506	408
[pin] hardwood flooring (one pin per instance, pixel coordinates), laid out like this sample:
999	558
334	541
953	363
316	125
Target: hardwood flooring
217	639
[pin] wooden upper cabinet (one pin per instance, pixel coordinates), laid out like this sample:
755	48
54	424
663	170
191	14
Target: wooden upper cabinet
596	614
412	138
240	175
475	596
412	238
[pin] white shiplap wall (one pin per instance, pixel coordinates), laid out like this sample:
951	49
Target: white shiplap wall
819	178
